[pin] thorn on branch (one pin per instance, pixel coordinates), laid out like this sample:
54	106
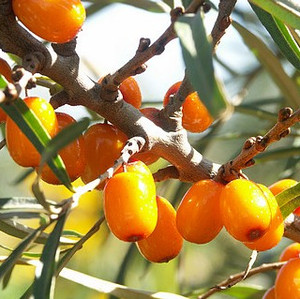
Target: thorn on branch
144	44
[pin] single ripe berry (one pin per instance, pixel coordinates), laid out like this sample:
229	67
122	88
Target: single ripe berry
5	70
282	185
73	154
196	117
136	166
275	232
149	157
131	92
269	294
130	207
287	283
20	148
56	21
291	251
165	242
245	210
198	215
103	145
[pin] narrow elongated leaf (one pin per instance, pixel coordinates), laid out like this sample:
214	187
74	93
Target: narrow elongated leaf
288	11
245	292
21	231
63	138
118	290
3	82
272	64
30	125
290	206
21	203
197	54
287	195
281	35
17	253
43	286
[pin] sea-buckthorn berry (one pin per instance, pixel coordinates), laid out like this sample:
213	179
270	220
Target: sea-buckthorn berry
196	118
287	283
3	116
20	148
5	70
282	185
103	145
269	294
136	166
73	154
131	92
245	210
291	251
130	208
56	21
198	216
165	242
275	232
149	157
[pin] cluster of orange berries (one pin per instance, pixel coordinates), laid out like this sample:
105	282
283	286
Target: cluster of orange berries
287	283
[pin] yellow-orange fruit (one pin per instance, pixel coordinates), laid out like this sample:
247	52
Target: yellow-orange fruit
103	145
291	251
165	242
269	294
131	92
73	154
130	206
198	216
20	148
281	185
56	21
195	116
245	210
275	232
287	283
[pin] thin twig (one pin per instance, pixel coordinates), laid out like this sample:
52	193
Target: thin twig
233	279
166	173
2	143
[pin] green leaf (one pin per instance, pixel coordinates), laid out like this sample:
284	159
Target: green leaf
245	292
288	11
27	204
18	230
290	206
287	195
272	64
43	286
281	35
63	138
197	54
3	82
30	125
17	253
106	287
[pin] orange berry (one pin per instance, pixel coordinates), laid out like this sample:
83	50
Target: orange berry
131	92
103	145
73	154
275	232
245	210
287	283
291	251
56	21
196	117
149	157
20	148
269	294
198	215
282	185
130	207
136	166
165	242
2	116
5	70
